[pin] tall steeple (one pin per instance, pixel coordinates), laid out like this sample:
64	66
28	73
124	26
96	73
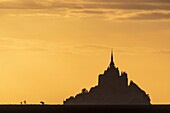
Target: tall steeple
112	55
112	62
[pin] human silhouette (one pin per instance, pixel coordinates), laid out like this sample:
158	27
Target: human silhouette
25	102
42	103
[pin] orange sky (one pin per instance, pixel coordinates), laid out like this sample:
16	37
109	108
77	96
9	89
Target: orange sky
50	49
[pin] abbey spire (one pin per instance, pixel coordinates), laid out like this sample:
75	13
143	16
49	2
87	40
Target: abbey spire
112	62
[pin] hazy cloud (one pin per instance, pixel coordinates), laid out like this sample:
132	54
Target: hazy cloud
151	16
163	51
93	48
142	15
56	4
130	1
11	44
22	45
112	9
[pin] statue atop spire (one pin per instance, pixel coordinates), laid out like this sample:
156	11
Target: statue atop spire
112	62
112	55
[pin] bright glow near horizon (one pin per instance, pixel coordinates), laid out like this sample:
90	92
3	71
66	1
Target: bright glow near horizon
50	50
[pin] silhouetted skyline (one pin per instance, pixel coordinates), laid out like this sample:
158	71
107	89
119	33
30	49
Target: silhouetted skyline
46	44
112	89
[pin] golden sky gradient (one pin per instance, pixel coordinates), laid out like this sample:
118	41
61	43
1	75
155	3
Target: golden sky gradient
51	49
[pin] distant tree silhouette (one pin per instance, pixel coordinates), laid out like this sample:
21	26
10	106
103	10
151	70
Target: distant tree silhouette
21	103
84	90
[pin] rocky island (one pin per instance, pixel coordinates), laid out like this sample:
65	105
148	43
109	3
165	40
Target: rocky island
112	89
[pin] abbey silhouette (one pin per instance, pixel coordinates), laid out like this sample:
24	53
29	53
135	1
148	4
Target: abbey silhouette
112	89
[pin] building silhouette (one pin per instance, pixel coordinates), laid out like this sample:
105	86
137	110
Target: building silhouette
112	89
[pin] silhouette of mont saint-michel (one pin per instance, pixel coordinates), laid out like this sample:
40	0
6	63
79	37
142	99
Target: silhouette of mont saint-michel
112	89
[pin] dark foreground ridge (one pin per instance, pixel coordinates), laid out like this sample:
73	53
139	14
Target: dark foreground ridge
112	89
84	109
